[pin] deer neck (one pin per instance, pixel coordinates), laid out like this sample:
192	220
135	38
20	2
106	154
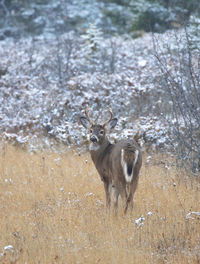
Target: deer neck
99	154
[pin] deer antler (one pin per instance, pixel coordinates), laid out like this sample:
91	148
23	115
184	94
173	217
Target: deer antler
111	116
87	115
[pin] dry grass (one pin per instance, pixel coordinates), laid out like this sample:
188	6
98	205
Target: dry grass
52	211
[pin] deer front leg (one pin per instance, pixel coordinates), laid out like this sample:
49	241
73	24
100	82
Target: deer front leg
108	188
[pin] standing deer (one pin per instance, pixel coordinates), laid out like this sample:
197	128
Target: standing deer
117	164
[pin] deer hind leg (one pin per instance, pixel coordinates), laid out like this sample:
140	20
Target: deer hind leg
116	195
132	189
108	188
123	193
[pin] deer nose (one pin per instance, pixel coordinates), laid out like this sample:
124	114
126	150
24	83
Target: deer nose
93	139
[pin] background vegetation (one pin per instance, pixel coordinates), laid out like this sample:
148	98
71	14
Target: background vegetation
19	18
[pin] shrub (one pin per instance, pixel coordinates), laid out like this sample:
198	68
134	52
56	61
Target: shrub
180	67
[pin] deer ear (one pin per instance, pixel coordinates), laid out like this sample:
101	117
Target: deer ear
112	123
84	121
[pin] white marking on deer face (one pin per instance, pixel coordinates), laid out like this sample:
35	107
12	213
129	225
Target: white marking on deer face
97	136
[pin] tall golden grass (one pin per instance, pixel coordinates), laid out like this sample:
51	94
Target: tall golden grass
52	210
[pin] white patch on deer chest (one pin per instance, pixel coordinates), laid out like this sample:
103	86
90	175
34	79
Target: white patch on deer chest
94	146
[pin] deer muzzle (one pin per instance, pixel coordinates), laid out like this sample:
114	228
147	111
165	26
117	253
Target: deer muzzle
94	139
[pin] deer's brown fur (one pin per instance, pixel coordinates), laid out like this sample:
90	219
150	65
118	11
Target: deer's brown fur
117	164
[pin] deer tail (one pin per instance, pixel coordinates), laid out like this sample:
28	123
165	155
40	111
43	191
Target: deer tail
128	162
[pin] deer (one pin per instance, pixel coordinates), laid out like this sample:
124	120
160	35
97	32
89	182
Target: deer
118	164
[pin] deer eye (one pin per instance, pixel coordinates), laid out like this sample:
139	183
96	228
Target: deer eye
101	132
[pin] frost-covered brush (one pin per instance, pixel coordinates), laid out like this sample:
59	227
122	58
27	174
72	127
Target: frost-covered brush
117	164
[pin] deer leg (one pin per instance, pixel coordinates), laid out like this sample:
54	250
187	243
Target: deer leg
133	187
116	195
108	188
123	193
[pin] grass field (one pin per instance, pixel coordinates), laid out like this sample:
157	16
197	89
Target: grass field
52	210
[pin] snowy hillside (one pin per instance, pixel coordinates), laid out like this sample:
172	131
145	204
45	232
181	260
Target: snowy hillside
45	84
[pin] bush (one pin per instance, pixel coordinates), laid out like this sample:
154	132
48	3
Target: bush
158	16
153	18
180	68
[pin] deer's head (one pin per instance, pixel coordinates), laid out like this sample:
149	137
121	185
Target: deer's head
97	131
